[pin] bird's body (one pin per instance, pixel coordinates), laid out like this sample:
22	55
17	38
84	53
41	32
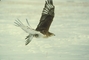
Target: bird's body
42	29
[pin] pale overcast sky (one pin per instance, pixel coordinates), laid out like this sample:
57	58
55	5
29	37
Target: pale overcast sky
70	25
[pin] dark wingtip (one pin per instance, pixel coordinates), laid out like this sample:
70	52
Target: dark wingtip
50	1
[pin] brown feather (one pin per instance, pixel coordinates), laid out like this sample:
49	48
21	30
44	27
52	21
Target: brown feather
46	18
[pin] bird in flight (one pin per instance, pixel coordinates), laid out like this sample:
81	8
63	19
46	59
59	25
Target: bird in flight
42	29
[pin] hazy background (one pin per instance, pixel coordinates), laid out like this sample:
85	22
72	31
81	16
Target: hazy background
70	25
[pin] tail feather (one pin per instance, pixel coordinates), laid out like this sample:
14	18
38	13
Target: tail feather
28	39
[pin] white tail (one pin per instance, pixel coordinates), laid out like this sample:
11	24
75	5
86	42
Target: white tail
28	39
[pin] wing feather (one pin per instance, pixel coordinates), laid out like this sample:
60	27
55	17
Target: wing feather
27	29
47	16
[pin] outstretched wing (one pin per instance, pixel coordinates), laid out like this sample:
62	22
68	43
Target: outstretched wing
47	17
27	29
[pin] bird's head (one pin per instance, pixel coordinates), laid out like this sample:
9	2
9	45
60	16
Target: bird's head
52	34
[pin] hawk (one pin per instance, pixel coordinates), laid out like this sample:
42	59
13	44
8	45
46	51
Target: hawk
42	29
